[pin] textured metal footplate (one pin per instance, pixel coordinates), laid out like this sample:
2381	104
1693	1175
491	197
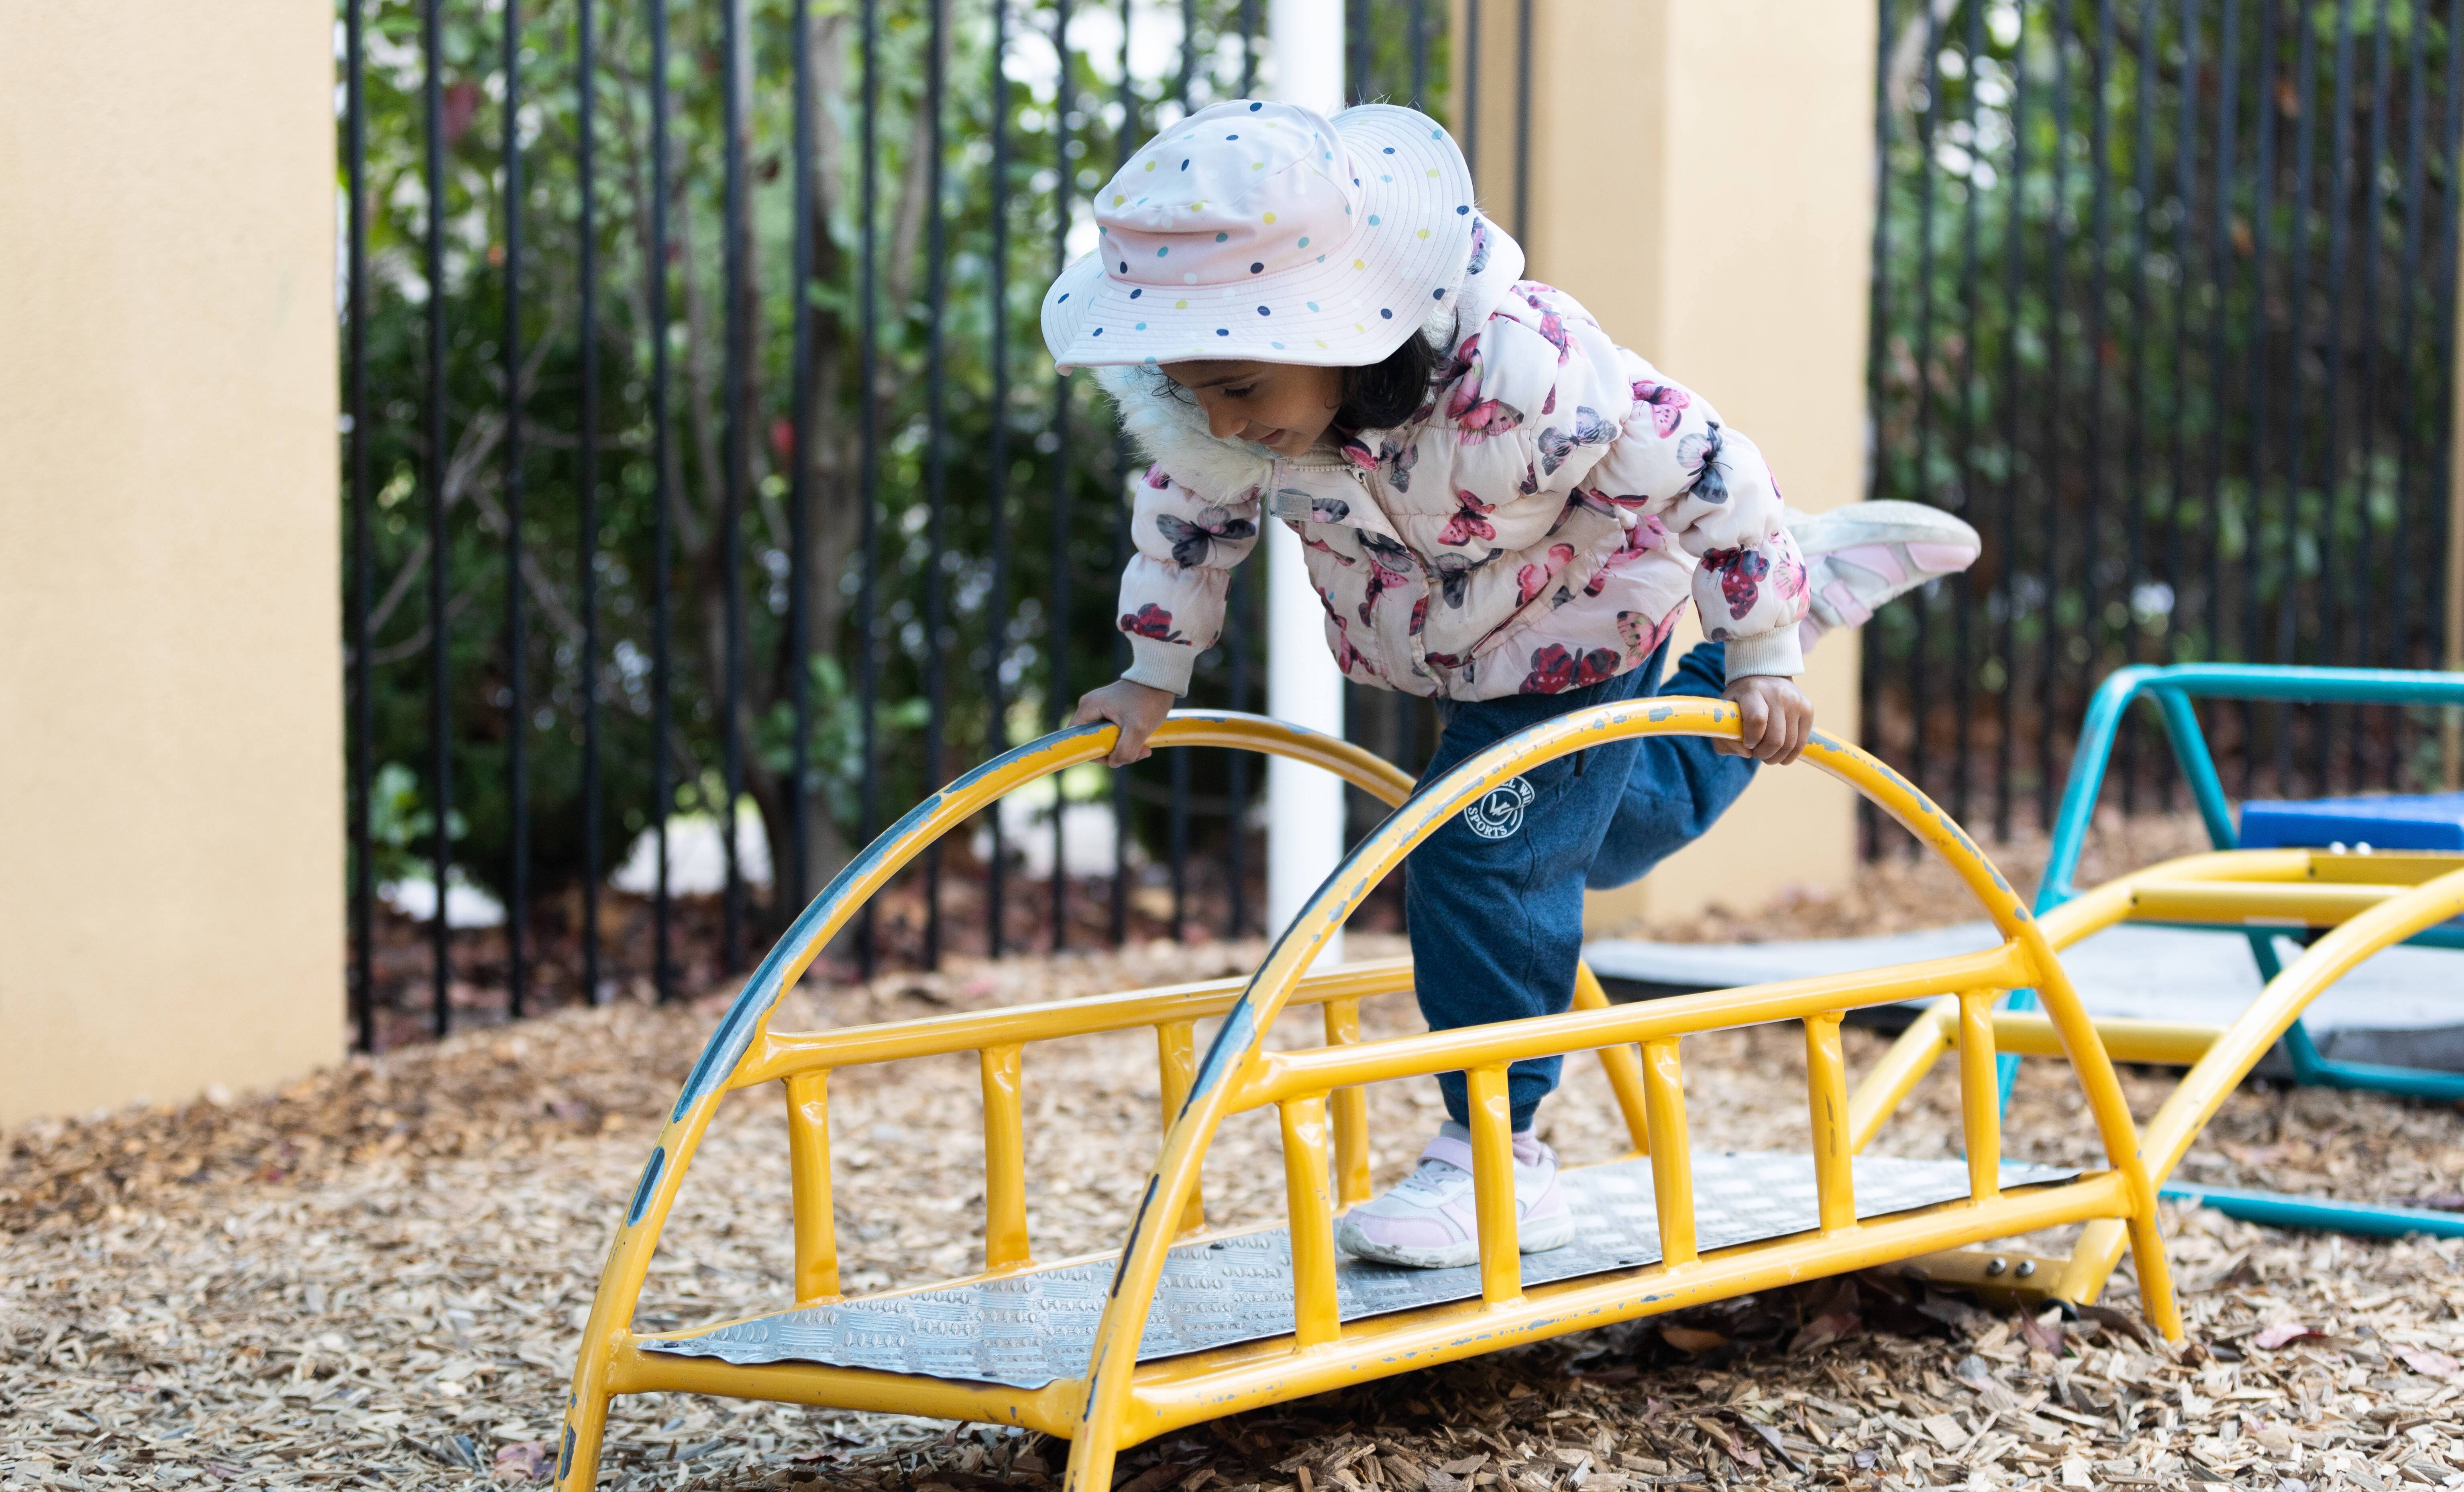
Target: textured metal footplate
1030	1328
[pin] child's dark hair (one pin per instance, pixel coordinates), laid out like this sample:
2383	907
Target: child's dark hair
1385	394
1377	397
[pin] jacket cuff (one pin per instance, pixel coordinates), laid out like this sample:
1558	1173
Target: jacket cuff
1775	653
1160	665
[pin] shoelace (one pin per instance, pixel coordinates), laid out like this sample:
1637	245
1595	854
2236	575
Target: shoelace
1430	1178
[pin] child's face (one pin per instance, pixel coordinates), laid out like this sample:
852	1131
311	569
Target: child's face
1281	406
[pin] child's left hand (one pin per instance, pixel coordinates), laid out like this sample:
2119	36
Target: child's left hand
1775	719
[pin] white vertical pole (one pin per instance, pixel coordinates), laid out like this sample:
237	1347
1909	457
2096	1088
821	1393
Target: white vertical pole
1305	814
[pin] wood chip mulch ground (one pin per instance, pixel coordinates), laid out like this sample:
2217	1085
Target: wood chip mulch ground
374	1279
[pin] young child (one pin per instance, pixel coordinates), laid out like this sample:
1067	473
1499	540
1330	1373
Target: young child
1308	319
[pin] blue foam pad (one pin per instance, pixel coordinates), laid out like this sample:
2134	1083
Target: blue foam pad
2421	822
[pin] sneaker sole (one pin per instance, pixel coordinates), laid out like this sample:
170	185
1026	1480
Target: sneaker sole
1859	523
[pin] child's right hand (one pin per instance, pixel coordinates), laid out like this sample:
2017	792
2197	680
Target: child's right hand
1138	709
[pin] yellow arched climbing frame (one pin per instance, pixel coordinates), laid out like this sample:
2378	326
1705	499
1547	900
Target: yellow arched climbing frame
1118	1401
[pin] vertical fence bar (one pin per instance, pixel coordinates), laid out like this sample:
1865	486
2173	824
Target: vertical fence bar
2356	765
997	483
440	549
1056	631
936	455
363	881
1178	838
2220	289
2058	250
1922	488
1963	587
2134	575
1467	112
2329	613
2296	345
2006	516
2408	424
1120	502
737	481
663	795
517	675
2099	280
790	877
1248	47
2185	155
1876	340
2447	622
585	36
2262	218
869	475
1420	54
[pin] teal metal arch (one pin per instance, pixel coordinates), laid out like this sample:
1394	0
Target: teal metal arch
2171	689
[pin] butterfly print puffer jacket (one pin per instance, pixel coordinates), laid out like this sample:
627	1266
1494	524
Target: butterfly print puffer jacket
1533	528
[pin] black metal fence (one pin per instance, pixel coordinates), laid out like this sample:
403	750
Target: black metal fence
698	462
2165	306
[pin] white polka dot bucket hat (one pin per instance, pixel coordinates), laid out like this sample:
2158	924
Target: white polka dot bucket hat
1268	232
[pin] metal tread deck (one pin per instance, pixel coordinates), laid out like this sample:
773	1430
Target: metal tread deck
1027	1330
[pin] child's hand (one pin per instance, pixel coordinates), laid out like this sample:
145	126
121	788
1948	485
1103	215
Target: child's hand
1775	719
1138	709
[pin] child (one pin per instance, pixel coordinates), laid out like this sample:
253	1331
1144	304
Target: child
1308	319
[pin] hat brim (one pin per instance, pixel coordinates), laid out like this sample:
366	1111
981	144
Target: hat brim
1356	304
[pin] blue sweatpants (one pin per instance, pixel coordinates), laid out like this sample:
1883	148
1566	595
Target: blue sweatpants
1495	898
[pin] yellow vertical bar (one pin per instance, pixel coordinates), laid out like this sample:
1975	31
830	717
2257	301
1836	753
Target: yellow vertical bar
808	1184
1826	1096
1980	1096
1494	1213
1177	1058
1351	1110
1623	1064
1672	1161
1004	1158
1310	1201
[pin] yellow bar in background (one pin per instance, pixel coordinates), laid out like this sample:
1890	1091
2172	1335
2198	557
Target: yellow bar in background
2029	1034
1004	1159
1492	1187
1980	1096
1826	1097
1310	1208
2262	902
1901	1068
1177	1061
1624	1064
1351	1109
808	1185
1672	1162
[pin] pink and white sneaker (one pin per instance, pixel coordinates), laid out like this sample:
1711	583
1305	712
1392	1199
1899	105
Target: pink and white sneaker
1427	1221
1860	555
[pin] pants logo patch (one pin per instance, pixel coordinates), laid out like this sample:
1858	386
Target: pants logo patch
1498	812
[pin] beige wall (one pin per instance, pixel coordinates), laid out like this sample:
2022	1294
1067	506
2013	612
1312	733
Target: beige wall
1702	179
171	886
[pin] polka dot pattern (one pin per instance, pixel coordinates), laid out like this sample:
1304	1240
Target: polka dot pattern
1404	229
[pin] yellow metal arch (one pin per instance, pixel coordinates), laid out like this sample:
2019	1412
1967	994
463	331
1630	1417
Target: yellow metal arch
1110	1414
605	1337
